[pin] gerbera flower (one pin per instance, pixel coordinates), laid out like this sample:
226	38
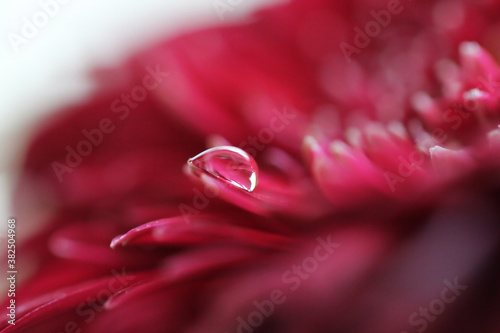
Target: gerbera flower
330	166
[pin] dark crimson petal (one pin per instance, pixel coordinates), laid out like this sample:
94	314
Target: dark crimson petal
48	309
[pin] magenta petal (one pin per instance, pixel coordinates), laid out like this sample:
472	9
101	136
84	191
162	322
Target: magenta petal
478	65
346	178
200	229
273	196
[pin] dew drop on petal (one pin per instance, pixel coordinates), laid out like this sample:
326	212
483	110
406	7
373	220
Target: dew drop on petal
229	164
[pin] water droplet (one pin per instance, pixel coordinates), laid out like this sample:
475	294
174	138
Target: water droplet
229	164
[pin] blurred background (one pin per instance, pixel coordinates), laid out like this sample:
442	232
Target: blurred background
48	47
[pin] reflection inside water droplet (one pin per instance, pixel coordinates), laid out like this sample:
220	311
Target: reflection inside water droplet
229	164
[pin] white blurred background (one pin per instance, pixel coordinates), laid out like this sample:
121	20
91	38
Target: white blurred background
48	46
